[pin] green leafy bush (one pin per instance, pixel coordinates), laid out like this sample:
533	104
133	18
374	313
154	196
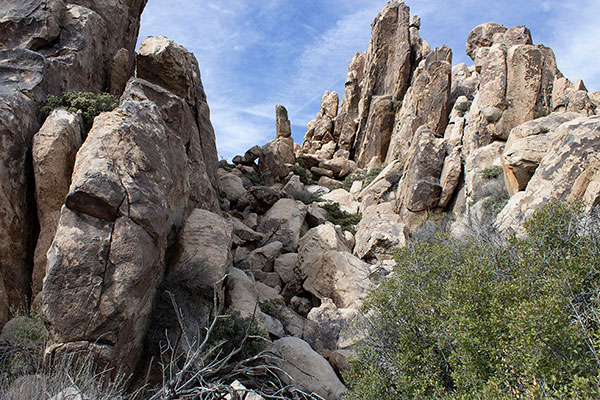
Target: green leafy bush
543	112
492	172
255	178
371	175
350	179
302	171
339	217
90	104
486	319
494	205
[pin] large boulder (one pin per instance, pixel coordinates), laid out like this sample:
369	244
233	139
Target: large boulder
243	296
427	102
420	187
54	150
569	171
282	122
345	200
380	233
326	327
320	130
22	83
276	159
382	185
387	74
283	222
346	121
300	365
137	177
315	242
527	145
483	36
338	275
74	46
195	276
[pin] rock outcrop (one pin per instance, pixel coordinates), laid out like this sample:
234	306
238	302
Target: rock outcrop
568	171
46	47
137	177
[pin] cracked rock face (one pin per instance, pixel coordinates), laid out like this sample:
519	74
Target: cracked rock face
46	47
136	179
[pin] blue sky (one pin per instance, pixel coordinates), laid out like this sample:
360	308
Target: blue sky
256	54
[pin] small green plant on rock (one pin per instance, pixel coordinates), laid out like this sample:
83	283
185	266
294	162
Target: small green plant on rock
90	104
302	171
371	175
492	172
255	178
339	217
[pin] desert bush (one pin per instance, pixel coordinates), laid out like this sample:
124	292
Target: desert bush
255	178
339	217
465	319
24	374
90	104
371	175
302	171
492	172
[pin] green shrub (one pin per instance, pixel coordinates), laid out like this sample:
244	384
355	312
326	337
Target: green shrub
302	171
90	104
469	319
229	332
543	112
371	175
350	179
339	217
494	205
492	172
255	178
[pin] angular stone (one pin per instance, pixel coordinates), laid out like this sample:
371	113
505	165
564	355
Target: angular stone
142	171
203	257
325	327
285	265
316	242
569	171
169	65
282	128
450	175
426	103
346	201
242	295
380	233
284	222
381	186
302	366
339	276
527	145
420	187
276	160
232	186
54	150
483	35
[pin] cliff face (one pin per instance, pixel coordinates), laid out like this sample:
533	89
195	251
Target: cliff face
138	173
47	47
